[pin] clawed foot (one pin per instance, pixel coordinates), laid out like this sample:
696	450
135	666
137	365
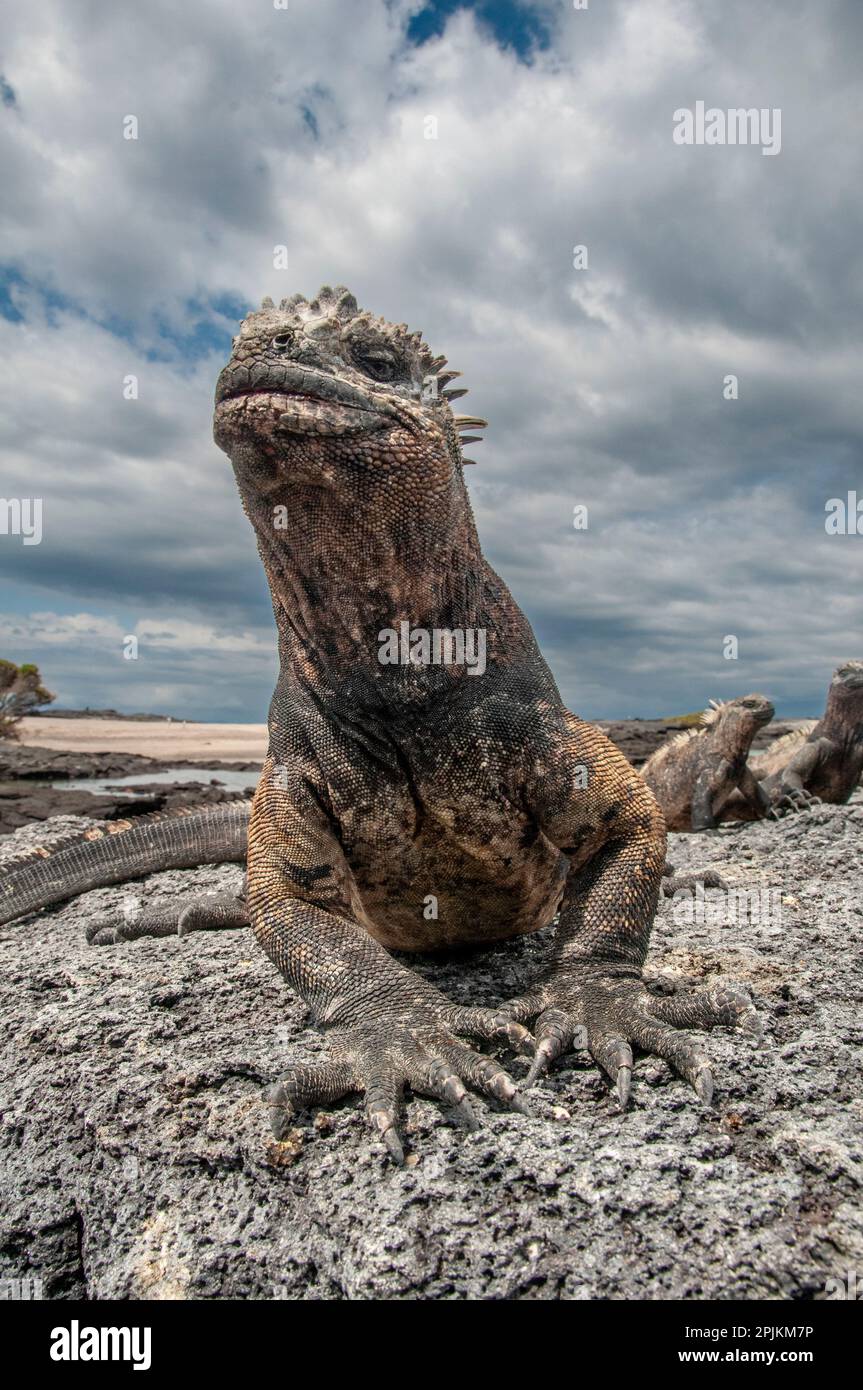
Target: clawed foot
795	799
167	917
610	1013
382	1059
673	883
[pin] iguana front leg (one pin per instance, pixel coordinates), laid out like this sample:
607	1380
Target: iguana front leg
754	792
388	1028
594	987
704	796
789	792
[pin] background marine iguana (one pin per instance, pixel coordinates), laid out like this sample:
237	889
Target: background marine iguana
695	773
391	788
820	761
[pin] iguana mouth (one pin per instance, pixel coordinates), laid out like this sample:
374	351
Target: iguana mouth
293	399
293	412
288	378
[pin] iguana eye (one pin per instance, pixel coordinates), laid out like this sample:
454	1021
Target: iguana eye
376	363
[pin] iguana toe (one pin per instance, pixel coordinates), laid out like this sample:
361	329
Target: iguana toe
157	918
555	1034
212	912
613	1053
103	930
687	883
492	1025
302	1087
381	1061
797	799
724	1005
487	1076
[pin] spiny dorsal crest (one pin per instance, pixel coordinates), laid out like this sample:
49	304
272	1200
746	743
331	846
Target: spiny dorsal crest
781	746
338	303
665	750
708	719
712	714
341	305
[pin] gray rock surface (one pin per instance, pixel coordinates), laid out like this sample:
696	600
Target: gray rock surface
136	1158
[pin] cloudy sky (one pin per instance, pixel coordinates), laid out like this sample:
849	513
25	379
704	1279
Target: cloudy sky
306	127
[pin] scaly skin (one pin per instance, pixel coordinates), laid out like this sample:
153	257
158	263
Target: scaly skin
695	774
421	805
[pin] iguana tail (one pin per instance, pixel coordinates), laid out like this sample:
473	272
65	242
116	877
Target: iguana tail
123	850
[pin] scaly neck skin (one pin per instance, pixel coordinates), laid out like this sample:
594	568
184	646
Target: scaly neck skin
843	717
736	732
731	739
343	566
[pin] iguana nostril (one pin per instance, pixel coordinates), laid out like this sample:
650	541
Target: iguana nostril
282	341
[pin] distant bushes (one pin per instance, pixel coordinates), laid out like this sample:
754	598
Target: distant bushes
686	721
21	692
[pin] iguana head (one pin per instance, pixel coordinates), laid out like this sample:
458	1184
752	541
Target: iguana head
845	699
334	394
348	459
848	676
736	722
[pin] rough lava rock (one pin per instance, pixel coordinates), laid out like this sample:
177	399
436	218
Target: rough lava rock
137	1160
20	807
27	793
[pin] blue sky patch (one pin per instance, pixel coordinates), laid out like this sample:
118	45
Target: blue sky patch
513	25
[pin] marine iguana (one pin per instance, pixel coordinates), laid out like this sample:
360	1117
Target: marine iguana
695	773
821	760
417	805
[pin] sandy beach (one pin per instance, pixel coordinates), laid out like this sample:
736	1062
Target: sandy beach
177	740
159	739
